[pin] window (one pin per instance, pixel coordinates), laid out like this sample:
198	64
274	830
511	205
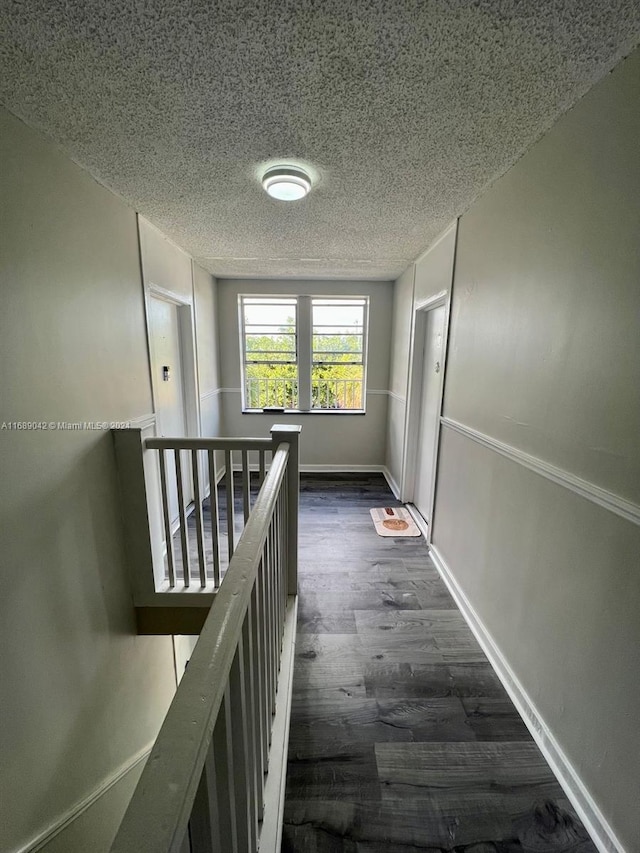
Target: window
270	352
337	372
304	353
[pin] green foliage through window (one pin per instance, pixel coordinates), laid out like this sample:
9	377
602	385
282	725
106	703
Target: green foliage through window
272	352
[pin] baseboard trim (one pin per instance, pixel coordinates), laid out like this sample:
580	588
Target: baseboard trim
330	469
319	469
601	833
395	488
342	469
421	522
43	838
597	495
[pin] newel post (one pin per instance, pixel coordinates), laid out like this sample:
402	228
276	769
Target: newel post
290	433
139	497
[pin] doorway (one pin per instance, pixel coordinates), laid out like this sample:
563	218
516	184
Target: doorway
169	342
424	406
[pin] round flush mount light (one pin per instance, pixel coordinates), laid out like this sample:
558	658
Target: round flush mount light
286	183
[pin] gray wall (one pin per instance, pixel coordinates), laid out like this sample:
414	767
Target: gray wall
81	694
544	357
334	440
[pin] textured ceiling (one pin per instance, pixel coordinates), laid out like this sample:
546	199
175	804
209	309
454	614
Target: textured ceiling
404	110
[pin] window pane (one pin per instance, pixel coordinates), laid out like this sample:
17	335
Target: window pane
338	315
270	352
337	387
271	385
349	346
261	347
337	330
337	376
281	314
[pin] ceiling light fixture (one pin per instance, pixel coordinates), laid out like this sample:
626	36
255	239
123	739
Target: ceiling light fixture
286	183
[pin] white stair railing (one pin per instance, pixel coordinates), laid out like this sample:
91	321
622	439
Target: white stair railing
176	548
214	781
184	459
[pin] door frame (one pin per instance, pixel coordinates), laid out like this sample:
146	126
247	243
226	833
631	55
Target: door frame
414	398
186	323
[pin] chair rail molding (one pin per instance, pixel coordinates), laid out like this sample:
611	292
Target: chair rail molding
43	838
143	422
207	395
169	295
596	494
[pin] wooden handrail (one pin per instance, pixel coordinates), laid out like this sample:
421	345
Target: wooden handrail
158	816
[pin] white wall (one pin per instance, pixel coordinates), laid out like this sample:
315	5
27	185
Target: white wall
164	265
81	693
205	295
544	358
398	374
336	439
434	269
167	267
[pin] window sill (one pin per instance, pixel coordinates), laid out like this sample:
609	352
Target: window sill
340	412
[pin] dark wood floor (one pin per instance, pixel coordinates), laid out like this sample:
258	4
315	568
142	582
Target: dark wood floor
402	738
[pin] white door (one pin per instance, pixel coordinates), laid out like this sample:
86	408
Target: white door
429	410
168	388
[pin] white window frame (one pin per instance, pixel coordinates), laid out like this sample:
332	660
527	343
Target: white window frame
304	349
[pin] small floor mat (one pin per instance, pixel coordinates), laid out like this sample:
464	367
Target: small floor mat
394	521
